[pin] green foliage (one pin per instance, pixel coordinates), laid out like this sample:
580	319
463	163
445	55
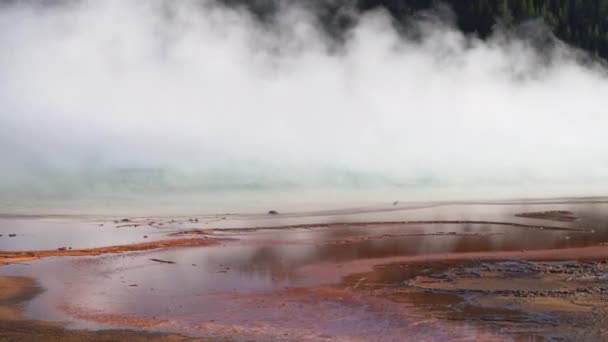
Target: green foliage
506	15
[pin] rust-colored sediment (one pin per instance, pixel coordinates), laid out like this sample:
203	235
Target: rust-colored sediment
333	272
111	318
12	290
15	287
21	256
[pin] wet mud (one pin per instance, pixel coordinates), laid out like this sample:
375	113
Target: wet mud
469	272
563	300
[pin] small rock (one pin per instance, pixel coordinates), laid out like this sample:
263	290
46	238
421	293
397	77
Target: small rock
12	235
164	261
273	212
133	285
62	248
145	236
396	202
125	220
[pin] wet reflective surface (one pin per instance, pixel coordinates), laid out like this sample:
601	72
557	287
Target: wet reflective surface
290	283
45	233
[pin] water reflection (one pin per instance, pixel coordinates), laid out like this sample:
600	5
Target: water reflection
258	279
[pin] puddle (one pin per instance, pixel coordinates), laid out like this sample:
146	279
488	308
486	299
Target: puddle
49	234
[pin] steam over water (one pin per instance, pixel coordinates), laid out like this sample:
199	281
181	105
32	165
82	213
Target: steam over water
175	97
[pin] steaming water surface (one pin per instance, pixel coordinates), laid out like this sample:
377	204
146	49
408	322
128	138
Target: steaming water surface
102	101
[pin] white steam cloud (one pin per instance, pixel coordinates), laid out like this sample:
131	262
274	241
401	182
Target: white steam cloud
211	97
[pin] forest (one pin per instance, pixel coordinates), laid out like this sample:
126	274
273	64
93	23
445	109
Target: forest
581	23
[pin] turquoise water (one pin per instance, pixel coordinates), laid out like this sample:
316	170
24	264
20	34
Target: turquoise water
158	192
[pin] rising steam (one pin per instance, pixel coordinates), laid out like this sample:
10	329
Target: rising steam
194	95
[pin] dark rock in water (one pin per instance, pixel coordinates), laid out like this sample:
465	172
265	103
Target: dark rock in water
396	202
164	261
125	220
145	236
62	248
12	235
273	212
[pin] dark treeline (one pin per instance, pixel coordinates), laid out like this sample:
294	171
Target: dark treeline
582	23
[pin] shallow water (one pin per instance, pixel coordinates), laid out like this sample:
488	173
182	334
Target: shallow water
43	234
268	281
37	232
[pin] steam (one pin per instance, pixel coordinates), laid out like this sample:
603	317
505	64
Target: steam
195	95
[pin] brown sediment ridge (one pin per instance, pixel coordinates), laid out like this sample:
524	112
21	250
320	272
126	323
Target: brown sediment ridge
376	223
7	257
333	272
